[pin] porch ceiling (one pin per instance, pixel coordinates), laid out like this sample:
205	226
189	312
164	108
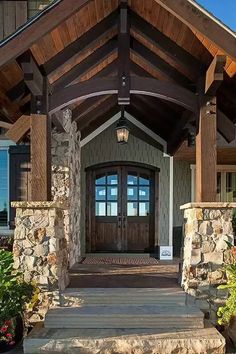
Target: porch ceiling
83	44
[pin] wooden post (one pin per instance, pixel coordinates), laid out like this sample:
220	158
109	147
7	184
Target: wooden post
206	152
40	157
206	149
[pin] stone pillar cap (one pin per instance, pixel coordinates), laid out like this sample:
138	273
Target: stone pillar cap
39	205
209	205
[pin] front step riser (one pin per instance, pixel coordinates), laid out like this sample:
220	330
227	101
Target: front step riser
120	301
114	323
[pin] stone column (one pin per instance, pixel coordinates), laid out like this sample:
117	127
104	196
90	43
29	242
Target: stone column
207	227
41	252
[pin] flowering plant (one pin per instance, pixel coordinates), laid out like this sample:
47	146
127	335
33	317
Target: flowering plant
225	313
15	293
7	332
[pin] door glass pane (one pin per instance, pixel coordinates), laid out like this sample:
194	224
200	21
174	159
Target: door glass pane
230	186
132	179
143	193
101	193
112	193
132	193
100	209
132	209
112	179
144	180
100	180
144	209
111	209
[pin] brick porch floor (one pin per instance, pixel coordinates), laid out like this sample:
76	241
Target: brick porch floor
162	275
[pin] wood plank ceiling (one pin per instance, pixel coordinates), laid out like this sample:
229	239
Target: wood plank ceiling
84	46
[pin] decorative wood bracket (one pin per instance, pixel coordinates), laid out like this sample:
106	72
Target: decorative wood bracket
19	129
215	75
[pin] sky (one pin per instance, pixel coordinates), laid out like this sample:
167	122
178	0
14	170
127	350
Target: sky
225	10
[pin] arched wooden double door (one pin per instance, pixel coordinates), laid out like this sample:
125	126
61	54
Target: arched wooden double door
121	209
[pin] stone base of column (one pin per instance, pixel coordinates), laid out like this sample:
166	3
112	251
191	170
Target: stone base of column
40	251
207	228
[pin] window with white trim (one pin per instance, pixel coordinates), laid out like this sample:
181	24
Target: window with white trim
226	183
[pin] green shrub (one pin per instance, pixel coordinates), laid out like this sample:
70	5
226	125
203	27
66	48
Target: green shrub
225	313
15	293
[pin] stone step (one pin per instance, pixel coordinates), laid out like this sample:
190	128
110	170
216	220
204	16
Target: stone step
123	341
143	316
122	296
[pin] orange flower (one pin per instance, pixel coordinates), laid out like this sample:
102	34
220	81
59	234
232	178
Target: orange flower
233	250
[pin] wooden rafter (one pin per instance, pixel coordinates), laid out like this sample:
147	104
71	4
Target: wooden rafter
153	60
44	23
167	46
5	125
19	129
86	65
179	133
82	44
99	121
225	126
155	121
194	16
140	134
101	108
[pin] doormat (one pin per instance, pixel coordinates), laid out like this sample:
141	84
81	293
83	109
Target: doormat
120	260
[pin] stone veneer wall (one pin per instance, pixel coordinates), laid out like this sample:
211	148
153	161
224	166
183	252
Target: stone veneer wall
66	181
41	252
47	234
207	227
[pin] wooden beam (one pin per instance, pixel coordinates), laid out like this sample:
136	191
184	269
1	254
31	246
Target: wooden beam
124	55
38	27
225	126
167	46
40	157
140	116
5	125
215	75
99	121
19	91
83	43
100	109
85	107
32	75
86	65
19	129
158	64
57	120
195	16
139	85
179	132
206	151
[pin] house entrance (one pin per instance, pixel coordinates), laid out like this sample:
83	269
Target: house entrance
121	208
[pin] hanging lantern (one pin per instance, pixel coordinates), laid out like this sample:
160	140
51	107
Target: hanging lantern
122	130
